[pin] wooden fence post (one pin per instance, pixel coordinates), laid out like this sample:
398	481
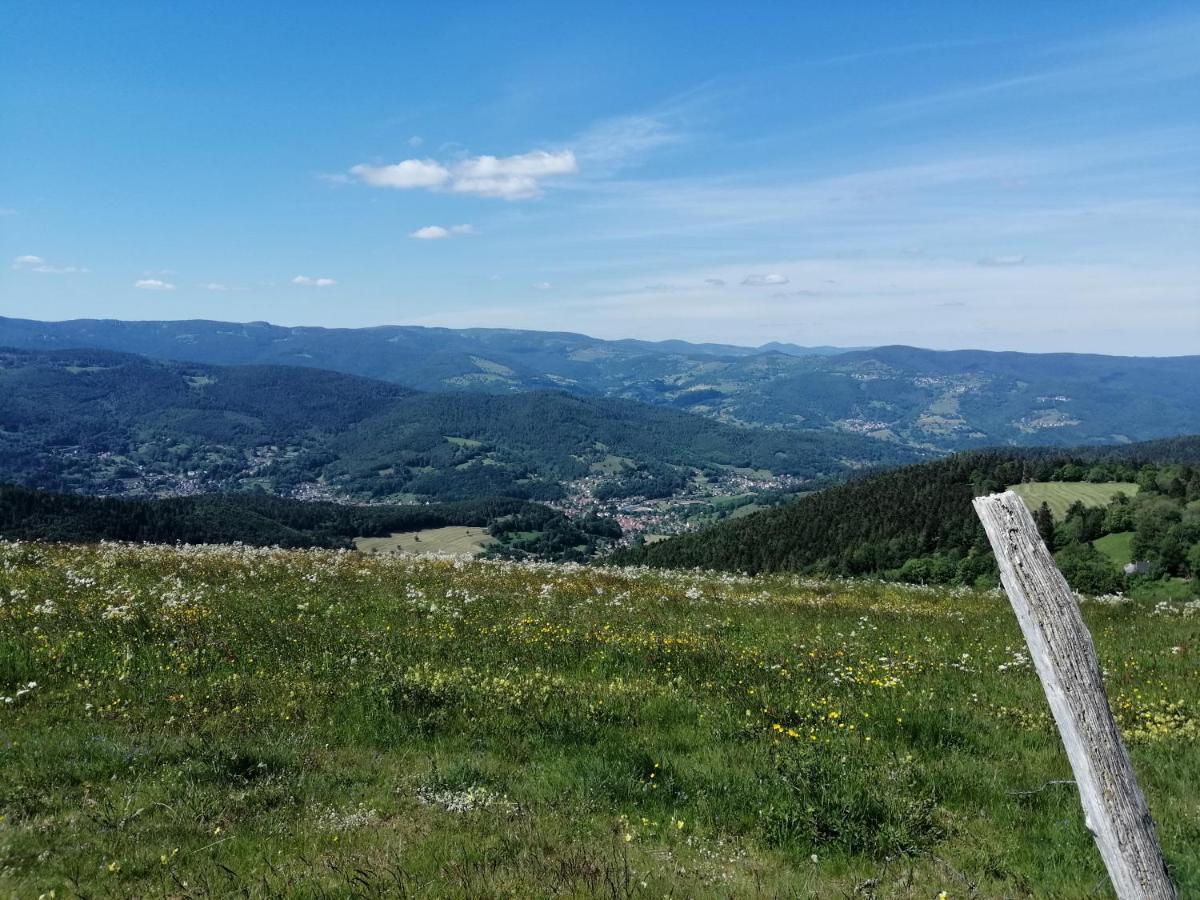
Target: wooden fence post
1115	810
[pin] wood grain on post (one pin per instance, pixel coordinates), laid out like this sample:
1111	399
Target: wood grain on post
1115	810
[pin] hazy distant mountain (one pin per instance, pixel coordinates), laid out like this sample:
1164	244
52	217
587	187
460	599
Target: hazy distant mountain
941	400
493	359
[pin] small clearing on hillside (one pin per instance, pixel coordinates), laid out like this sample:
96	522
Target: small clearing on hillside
1059	495
455	539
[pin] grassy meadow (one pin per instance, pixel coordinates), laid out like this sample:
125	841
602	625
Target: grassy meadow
452	539
1059	495
199	722
1118	547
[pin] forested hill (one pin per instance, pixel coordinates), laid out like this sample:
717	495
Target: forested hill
917	522
944	400
94	421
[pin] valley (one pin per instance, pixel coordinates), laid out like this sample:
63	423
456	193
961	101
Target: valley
104	423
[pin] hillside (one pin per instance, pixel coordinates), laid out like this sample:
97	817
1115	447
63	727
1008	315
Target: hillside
95	421
946	400
916	523
316	723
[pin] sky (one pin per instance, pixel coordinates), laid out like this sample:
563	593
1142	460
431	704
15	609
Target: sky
1021	176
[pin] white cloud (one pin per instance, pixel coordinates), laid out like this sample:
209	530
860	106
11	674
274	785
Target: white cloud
430	233
30	263
508	177
416	141
1014	260
763	280
153	284
411	173
541	285
511	177
218	286
309	281
715	282
437	232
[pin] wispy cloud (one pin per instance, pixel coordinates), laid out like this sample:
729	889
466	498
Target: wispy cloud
1159	52
764	280
153	284
309	281
613	143
30	263
900	50
1012	260
880	301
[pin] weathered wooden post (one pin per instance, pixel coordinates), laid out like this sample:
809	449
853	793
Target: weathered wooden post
1115	810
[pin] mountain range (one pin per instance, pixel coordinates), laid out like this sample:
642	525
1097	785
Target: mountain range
926	399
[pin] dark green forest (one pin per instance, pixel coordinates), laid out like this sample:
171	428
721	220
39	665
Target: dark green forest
27	514
916	523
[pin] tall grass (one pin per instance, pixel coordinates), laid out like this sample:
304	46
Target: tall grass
244	722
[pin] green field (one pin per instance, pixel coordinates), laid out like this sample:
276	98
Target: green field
1059	495
211	722
1117	547
456	539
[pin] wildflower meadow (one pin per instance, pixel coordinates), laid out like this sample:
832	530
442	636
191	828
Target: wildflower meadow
236	721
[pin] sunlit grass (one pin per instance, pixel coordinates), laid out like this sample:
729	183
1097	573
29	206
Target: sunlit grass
240	721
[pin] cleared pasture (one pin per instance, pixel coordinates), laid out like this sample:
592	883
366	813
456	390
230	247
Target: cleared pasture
1059	495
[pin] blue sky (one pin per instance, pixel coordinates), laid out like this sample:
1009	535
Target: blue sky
1007	176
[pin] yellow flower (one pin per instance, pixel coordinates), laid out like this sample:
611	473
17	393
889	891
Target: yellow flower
114	867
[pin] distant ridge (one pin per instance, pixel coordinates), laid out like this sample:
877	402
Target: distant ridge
932	400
